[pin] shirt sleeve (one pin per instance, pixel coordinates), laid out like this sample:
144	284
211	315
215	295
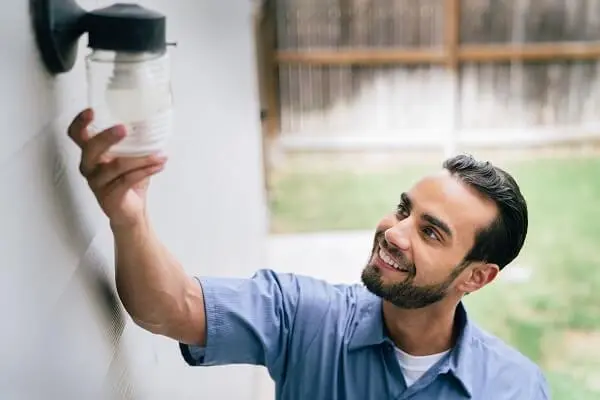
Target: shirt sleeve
249	321
542	390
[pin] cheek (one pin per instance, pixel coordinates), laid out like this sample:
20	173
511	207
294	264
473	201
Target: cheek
433	265
426	268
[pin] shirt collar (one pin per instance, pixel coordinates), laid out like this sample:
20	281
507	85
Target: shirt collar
370	331
461	360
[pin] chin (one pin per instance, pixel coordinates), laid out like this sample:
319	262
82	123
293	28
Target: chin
374	281
402	293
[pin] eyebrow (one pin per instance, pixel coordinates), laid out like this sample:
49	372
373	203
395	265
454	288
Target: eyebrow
437	222
427	217
405	200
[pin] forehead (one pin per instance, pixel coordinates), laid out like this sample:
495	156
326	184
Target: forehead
461	207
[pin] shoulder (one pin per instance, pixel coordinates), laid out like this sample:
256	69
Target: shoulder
497	351
316	297
506	369
306	287
308	298
318	308
325	317
298	292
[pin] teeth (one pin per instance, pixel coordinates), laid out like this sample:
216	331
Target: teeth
388	260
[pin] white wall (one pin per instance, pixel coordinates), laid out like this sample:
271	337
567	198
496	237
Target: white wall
63	336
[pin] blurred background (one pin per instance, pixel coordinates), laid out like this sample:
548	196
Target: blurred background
299	123
371	94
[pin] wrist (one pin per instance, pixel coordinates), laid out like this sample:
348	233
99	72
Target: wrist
130	226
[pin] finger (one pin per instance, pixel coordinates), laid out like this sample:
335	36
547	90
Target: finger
96	147
110	172
123	183
78	127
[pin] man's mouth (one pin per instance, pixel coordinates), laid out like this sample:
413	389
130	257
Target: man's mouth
383	259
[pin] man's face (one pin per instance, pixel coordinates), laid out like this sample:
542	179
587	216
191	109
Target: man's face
418	251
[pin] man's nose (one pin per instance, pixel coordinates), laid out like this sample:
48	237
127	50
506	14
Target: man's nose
398	237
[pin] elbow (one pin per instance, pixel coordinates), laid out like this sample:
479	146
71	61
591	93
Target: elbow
181	329
173	322
178	317
151	324
155	328
140	317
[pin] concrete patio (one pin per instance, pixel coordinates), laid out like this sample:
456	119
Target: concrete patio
333	256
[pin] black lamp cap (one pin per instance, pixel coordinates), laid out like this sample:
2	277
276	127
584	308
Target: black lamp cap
126	27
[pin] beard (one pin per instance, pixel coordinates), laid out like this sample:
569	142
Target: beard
405	294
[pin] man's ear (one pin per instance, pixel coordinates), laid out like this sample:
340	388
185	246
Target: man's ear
478	276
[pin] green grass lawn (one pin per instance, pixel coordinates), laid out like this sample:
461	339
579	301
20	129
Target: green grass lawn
555	317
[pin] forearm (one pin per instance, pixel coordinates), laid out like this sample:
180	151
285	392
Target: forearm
154	288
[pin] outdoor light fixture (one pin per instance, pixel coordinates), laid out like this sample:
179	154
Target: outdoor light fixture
128	68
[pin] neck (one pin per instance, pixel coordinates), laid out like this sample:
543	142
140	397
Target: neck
421	332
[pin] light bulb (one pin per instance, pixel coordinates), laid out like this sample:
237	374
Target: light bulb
133	90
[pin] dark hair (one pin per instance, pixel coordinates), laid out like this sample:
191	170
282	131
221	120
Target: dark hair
501	242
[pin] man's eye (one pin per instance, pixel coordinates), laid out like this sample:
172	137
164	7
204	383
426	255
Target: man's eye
430	233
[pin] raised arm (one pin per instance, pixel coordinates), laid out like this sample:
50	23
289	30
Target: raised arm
267	319
154	288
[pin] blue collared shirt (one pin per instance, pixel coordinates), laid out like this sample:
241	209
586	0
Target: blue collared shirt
323	341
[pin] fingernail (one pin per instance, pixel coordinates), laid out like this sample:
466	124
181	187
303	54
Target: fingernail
119	131
86	116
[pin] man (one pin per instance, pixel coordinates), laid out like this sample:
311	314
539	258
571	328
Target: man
403	335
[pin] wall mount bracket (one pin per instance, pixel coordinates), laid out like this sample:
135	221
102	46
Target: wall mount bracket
58	25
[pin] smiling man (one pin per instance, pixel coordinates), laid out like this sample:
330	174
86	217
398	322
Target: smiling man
403	334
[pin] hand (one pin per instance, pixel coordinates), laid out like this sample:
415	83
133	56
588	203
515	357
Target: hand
119	184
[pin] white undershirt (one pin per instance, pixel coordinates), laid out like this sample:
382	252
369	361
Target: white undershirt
413	367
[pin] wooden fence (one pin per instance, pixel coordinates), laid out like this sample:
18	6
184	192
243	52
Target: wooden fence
323	53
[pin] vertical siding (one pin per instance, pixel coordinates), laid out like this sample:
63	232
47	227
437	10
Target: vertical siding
397	101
